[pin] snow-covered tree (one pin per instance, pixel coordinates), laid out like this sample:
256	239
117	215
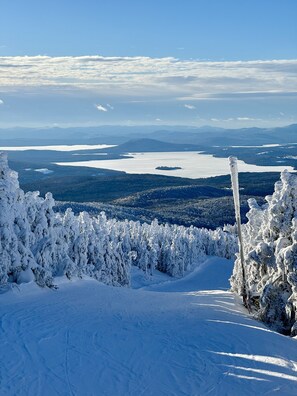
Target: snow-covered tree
270	238
16	258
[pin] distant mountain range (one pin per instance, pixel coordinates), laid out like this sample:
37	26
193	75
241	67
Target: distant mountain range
151	145
203	136
230	137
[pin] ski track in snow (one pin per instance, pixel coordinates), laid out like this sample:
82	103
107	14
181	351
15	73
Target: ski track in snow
175	338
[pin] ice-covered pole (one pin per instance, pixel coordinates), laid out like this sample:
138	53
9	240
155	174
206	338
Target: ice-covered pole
235	188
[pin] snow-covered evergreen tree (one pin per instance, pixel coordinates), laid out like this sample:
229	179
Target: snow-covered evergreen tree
270	239
16	258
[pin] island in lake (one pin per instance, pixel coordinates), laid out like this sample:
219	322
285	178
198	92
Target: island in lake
168	168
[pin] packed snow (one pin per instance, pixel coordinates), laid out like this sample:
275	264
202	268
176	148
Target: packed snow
184	337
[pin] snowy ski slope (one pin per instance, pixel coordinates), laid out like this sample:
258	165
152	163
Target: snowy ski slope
176	338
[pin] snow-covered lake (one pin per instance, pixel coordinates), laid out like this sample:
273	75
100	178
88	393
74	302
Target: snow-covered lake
193	164
265	145
73	147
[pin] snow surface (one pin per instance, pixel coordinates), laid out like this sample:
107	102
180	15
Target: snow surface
185	337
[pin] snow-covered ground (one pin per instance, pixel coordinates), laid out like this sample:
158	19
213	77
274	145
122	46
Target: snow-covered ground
183	337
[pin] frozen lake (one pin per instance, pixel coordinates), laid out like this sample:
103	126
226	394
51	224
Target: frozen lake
74	147
194	164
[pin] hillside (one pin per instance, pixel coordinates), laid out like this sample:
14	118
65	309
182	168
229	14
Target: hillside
201	202
185	337
151	145
208	136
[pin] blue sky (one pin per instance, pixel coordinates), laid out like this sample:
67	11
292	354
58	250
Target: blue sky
200	29
186	62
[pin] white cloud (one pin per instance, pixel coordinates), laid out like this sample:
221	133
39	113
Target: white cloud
230	119
245	119
190	107
142	84
101	108
150	77
1	102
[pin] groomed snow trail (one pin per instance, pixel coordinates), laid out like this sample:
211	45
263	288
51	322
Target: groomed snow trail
183	338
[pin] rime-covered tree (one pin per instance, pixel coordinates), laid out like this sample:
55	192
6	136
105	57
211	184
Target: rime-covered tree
16	261
270	256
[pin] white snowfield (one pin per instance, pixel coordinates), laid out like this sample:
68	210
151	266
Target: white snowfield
172	337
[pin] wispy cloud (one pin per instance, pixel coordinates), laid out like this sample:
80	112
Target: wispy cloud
190	107
245	118
101	108
137	86
151	77
232	119
1	102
